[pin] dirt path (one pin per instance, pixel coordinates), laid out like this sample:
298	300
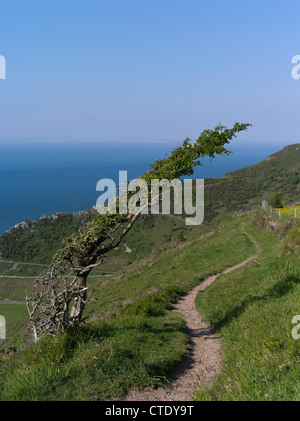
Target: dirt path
205	359
256	245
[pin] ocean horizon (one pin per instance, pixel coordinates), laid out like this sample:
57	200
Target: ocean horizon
39	179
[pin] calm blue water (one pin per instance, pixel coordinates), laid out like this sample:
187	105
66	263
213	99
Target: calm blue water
38	179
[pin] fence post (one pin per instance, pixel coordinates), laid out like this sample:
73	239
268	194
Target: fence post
2	328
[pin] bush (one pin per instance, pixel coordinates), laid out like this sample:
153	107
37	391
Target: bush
275	201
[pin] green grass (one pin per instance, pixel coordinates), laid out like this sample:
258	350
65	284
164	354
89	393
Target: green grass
98	361
15	316
137	349
132	339
252	309
15	288
185	266
149	234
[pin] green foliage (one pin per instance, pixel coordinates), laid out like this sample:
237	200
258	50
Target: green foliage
275	201
41	239
58	301
91	243
247	187
155	304
184	158
293	179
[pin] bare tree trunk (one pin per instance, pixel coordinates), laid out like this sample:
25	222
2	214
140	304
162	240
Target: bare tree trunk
80	300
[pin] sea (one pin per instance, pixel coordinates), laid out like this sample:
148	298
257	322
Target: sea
38	179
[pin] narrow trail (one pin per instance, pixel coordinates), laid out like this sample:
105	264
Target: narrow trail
205	358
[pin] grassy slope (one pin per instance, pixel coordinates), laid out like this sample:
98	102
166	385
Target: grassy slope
41	239
151	234
15	317
239	189
252	309
247	187
185	265
132	338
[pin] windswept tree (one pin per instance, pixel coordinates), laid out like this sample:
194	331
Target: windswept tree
59	295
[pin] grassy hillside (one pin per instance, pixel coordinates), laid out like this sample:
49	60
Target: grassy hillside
37	241
242	189
132	338
247	187
252	310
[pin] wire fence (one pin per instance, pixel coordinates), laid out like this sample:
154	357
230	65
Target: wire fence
285	213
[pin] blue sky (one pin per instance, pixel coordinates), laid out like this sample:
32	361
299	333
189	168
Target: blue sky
120	70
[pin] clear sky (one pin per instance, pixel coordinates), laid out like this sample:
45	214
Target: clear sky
110	70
